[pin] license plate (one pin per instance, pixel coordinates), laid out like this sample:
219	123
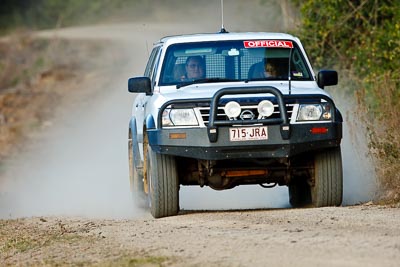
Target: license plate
248	133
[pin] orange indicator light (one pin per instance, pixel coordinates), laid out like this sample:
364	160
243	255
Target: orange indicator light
177	136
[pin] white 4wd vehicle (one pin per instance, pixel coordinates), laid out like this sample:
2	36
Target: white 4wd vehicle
211	111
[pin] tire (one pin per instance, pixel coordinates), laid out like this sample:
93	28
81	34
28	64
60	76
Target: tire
327	189
136	176
163	184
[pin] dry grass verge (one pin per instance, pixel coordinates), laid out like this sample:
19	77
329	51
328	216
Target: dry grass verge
58	242
380	102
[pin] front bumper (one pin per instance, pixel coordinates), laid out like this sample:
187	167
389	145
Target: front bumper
213	142
196	143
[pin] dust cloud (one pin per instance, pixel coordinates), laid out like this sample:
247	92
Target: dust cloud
359	177
78	166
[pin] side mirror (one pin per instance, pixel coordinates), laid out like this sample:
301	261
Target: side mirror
139	85
326	78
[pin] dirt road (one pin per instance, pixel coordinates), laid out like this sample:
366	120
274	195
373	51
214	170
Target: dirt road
345	236
66	199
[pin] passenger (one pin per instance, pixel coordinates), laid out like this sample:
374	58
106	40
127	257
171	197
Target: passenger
270	70
263	69
195	68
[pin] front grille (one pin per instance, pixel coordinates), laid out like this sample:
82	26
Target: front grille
205	112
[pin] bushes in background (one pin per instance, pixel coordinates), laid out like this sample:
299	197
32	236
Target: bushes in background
363	37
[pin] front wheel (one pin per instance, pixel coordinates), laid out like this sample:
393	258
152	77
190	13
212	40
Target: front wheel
324	186
327	187
163	184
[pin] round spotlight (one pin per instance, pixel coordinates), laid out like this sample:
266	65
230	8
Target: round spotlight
265	108
232	109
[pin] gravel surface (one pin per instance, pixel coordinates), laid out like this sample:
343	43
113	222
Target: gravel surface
365	235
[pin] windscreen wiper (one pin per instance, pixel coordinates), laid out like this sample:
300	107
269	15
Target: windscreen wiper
206	80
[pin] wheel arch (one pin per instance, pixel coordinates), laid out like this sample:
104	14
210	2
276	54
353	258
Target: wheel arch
150	122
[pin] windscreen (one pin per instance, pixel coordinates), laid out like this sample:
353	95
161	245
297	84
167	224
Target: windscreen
234	61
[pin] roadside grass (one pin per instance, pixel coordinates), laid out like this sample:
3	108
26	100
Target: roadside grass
49	242
130	261
379	99
44	244
23	243
19	241
17	245
122	261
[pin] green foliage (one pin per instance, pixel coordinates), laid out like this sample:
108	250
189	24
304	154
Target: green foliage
364	34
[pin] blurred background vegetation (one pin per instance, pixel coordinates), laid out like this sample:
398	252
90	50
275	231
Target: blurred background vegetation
361	38
42	14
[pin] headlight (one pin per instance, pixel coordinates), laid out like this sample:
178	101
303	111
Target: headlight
265	108
309	112
314	112
232	109
179	117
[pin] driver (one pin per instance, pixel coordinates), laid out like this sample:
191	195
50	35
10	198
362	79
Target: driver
195	68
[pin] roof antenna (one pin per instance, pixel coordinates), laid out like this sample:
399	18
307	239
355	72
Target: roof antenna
222	18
